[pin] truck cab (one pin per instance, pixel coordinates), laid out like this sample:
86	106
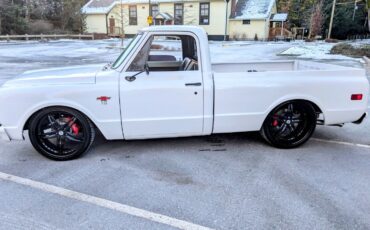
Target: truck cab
166	86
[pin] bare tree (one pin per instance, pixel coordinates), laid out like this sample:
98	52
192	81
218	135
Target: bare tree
317	19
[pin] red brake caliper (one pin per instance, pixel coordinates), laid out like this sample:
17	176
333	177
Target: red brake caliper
75	128
275	121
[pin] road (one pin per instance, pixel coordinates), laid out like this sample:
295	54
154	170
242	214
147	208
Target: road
232	181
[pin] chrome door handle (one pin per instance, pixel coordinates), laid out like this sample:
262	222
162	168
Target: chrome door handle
130	79
193	84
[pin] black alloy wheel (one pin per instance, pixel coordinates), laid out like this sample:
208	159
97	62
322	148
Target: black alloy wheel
290	124
61	133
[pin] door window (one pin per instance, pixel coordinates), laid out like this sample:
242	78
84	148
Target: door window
167	53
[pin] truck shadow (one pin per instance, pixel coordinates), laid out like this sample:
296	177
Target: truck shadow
213	143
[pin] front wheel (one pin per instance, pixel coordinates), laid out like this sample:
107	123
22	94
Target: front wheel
290	124
61	133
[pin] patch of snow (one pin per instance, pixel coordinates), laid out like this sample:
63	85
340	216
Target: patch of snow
256	9
316	51
360	43
280	17
104	9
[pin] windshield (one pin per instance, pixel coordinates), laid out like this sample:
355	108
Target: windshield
127	50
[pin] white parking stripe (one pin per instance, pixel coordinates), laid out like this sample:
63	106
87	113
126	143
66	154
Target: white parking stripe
341	143
180	224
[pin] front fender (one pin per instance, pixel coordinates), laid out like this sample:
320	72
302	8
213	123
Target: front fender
21	103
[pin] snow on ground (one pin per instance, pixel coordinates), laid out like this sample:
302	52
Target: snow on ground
316	51
360	43
19	56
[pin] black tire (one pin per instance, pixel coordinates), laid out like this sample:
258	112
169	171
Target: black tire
290	125
61	134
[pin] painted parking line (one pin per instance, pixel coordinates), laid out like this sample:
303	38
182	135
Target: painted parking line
341	143
151	216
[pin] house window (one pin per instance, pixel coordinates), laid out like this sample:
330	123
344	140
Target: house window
246	22
154	10
179	14
132	15
204	14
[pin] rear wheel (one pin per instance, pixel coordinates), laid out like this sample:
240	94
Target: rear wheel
290	124
61	133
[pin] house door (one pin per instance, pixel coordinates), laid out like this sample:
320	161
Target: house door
112	24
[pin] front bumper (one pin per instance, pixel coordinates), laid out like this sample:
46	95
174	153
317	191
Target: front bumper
3	134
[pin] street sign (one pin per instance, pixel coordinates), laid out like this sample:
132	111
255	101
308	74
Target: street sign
150	20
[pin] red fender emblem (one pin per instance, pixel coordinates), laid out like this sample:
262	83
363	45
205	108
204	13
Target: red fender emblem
103	99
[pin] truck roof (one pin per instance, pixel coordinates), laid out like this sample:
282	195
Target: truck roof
178	28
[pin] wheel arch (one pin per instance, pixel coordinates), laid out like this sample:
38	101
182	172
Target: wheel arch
317	106
27	123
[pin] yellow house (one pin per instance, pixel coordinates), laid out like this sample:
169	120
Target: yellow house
246	19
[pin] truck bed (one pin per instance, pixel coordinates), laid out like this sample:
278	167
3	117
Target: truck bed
263	66
246	92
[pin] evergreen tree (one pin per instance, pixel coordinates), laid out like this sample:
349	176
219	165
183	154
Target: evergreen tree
17	15
344	24
12	17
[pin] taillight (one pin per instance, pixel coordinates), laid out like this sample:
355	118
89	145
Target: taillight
356	97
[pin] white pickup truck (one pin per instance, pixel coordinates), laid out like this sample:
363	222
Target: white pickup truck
164	85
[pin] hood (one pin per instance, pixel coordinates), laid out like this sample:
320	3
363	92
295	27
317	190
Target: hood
56	76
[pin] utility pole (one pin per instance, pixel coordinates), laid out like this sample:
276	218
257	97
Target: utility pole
226	19
332	18
0	22
150	8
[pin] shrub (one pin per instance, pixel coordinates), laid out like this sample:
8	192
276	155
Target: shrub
349	50
40	27
244	37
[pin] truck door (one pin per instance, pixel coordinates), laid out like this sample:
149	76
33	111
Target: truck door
162	89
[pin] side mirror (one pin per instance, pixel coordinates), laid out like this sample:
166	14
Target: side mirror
146	67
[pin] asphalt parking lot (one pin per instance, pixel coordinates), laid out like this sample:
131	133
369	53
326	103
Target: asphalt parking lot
230	181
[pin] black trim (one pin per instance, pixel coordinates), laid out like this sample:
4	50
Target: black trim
193	84
217	37
359	121
130	35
